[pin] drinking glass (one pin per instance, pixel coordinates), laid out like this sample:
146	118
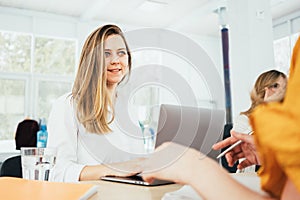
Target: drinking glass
37	162
148	120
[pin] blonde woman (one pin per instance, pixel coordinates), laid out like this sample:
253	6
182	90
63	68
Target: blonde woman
81	124
269	86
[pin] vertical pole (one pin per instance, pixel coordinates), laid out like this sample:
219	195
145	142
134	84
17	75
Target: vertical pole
225	48
226	69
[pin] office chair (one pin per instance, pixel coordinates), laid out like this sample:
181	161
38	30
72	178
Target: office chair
25	137
12	167
226	134
26	133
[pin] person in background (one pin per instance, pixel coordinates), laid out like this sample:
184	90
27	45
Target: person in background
277	139
81	123
270	86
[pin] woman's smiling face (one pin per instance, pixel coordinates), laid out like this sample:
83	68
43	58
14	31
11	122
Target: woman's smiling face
116	59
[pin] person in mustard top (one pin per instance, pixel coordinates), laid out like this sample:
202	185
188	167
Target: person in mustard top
275	143
277	138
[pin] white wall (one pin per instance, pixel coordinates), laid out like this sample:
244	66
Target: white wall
251	47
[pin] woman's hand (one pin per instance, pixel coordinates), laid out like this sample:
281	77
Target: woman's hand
173	162
128	168
245	150
275	93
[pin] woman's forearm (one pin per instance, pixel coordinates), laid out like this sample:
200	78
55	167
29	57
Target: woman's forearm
126	168
92	172
213	182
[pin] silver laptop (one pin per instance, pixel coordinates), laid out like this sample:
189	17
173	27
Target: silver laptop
198	128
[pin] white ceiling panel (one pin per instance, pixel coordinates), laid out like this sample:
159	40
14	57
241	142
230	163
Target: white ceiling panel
194	16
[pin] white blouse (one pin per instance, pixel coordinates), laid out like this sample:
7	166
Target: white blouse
77	148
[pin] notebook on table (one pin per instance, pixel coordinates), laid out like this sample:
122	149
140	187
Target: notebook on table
136	180
198	128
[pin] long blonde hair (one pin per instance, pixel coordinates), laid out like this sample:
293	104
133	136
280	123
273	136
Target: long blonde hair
93	102
264	80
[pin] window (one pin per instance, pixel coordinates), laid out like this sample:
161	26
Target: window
34	71
283	50
54	56
12	106
15	52
286	33
48	91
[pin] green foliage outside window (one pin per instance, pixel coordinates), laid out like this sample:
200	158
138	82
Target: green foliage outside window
34	71
54	56
15	50
11	106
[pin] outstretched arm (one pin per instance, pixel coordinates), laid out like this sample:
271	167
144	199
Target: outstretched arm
188	166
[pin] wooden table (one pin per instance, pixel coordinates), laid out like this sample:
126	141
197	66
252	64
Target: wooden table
116	191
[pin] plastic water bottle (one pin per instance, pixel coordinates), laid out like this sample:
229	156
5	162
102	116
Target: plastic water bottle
42	135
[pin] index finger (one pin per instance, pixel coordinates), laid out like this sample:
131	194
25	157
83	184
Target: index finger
224	143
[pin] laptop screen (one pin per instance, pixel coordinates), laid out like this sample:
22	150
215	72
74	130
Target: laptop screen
194	127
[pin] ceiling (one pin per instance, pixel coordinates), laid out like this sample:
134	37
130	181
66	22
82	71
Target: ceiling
192	16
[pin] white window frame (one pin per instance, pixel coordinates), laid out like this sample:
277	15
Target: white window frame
31	81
